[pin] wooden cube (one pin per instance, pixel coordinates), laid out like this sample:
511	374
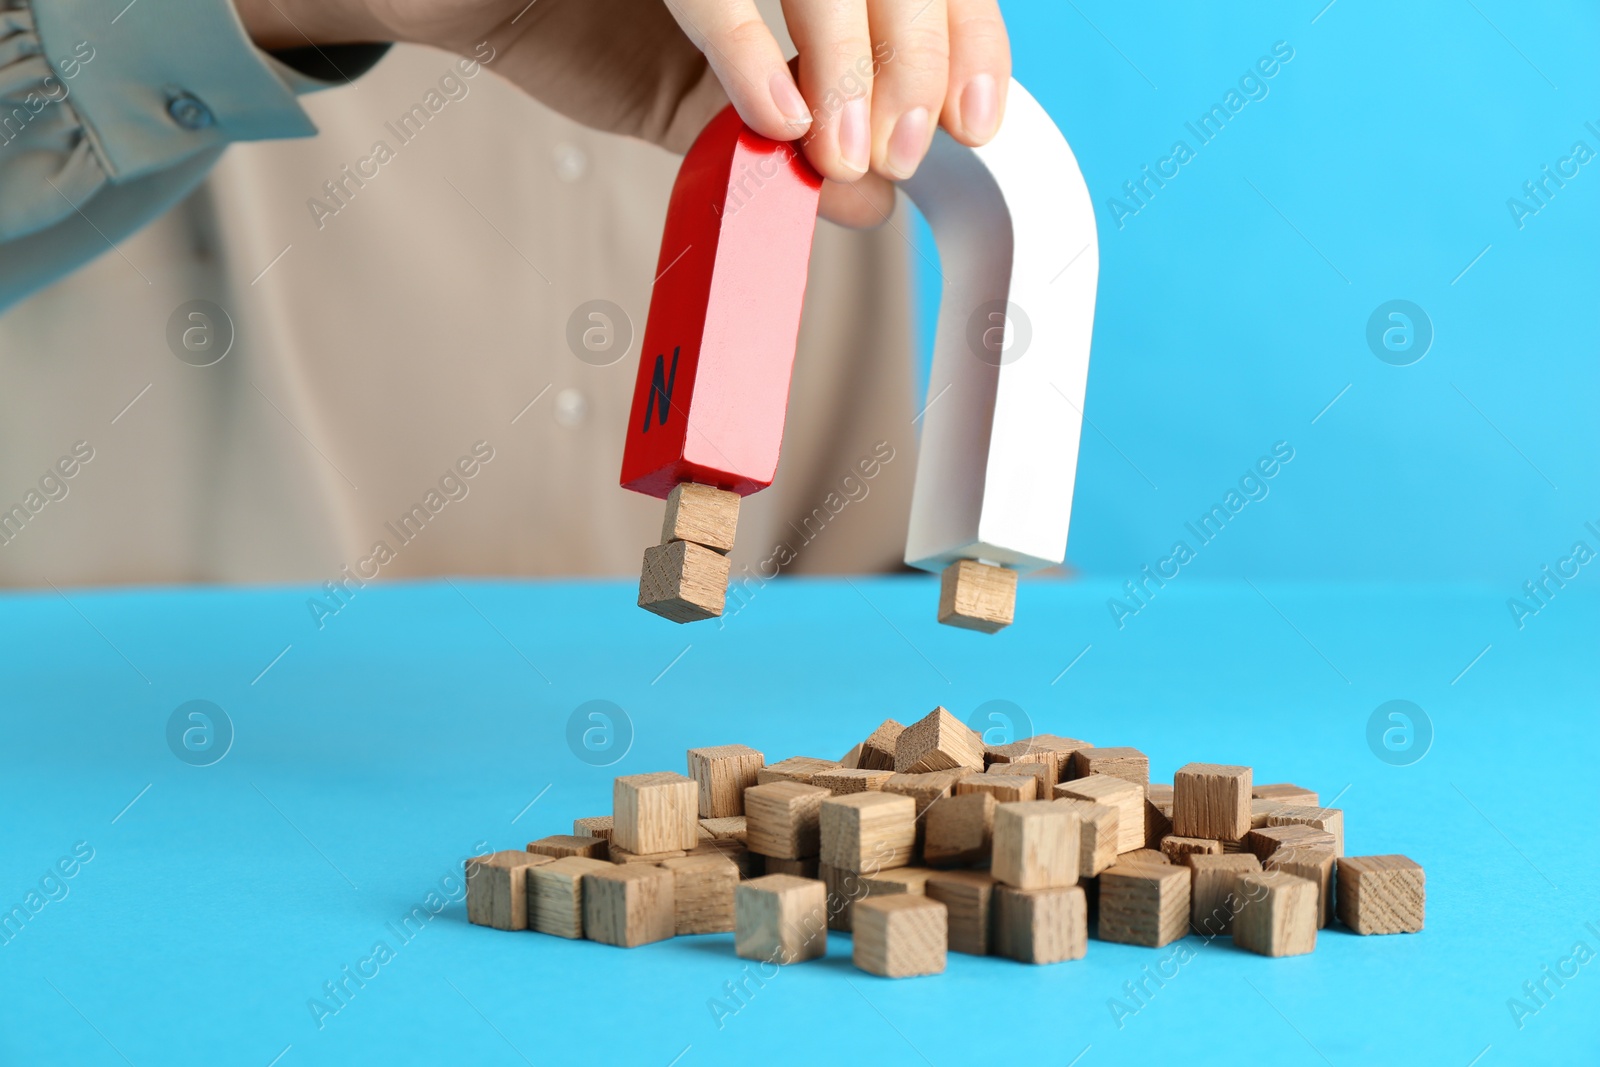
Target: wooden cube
924	788
938	742
557	846
1267	840
702	893
959	830
843	781
594	826
1211	800
804	867
1279	917
844	889
555	895
1097	839
683	581
702	514
1036	844
622	857
1005	788
1284	793
1176	848
851	760
977	596
1329	819
497	892
779	918
1051	750
1144	904
900	936
1115	792
655	812
628	905
1043	775
1214	897
1144	855
1381	894
877	751
899	880
868	831
1259	810
1041	925
723	773
969	897
782	819
1126	763
750	864
1315	865
1157	813
794	769
732	828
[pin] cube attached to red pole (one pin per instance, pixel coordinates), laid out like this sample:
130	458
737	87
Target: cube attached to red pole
718	351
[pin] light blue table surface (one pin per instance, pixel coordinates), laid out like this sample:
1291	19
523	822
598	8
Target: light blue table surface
424	720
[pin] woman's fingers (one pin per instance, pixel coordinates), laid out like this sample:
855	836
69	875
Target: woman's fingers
835	45
909	92
862	204
748	62
980	71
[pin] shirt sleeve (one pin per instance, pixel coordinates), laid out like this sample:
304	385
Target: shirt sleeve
109	114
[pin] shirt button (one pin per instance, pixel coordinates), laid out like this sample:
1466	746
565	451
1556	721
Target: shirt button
187	111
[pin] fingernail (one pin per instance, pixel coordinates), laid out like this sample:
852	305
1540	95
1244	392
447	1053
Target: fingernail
980	108
906	143
855	135
788	100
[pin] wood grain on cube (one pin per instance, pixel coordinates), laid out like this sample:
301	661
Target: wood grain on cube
843	888
655	812
959	830
1050	749
1381	894
1126	763
938	742
1005	788
593	826
1315	865
1118	793
1284	793
731	828
1041	925
1211	800
1043	775
1098	837
782	819
868	831
702	893
1144	855
722	774
1036	844
557	846
628	905
779	918
900	936
1267	840
877	751
851	760
1259	810
924	788
555	895
969	898
703	514
683	581
1176	848
977	596
912	880
1214	897
1144	904
1157	813
622	857
1329	819
497	888
1279	917
795	769
844	780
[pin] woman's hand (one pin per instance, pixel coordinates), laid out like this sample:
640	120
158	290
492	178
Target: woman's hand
875	76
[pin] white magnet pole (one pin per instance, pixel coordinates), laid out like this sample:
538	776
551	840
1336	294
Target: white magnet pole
1017	242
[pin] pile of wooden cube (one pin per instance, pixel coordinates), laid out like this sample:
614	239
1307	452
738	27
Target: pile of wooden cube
922	841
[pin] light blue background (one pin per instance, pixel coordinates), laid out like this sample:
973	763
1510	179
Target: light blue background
1391	142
